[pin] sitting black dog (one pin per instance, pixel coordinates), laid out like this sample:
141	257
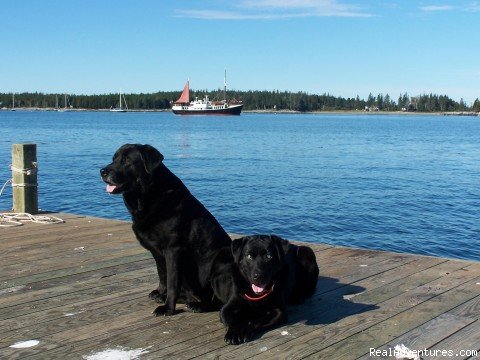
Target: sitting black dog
183	237
256	279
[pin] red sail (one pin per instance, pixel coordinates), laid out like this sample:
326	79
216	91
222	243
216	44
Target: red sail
185	97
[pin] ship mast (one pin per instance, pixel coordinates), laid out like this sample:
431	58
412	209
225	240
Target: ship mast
225	86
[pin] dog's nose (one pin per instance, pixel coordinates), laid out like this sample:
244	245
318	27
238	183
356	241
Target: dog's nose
255	276
103	172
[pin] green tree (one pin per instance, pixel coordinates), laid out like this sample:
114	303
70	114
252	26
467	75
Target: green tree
476	105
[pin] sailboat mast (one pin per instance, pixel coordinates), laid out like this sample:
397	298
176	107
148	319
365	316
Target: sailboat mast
13	101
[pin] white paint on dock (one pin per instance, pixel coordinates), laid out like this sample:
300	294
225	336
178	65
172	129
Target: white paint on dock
119	353
74	313
12	289
25	344
403	352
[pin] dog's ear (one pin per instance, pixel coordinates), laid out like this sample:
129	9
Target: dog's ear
281	245
237	248
151	157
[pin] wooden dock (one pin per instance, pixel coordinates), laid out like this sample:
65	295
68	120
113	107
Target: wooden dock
80	289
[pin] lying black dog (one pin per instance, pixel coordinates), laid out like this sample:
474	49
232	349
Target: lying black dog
171	223
265	274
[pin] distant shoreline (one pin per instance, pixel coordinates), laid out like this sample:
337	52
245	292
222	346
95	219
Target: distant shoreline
279	112
80	110
361	112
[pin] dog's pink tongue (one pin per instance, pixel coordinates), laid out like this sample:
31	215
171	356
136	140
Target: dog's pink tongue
110	188
257	289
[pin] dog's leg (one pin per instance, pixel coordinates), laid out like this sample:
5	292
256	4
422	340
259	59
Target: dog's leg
173	283
160	293
271	319
235	318
242	328
204	306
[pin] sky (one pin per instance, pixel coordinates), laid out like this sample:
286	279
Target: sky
340	47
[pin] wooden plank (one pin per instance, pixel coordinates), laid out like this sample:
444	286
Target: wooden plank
462	344
48	312
84	241
64	321
73	270
145	332
69	297
80	256
379	333
31	295
337	262
94	245
422	337
86	250
97	273
133	325
433	332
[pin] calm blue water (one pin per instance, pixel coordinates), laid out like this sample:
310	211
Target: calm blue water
407	184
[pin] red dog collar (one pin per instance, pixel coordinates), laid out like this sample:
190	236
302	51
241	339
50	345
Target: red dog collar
258	298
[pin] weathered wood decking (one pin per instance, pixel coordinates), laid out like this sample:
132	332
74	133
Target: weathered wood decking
81	287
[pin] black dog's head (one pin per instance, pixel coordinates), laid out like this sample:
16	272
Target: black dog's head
131	168
259	258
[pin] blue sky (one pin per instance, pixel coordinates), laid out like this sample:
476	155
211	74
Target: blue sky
342	47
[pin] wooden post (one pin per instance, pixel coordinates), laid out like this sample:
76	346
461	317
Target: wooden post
24	178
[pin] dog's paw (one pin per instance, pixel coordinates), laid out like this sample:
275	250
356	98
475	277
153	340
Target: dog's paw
196	306
158	296
238	336
163	310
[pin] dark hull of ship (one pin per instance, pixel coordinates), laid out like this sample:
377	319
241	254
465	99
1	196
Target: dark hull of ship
232	110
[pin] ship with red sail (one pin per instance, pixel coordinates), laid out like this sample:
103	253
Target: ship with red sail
183	106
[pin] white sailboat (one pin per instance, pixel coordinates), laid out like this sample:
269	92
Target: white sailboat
13	103
67	106
120	108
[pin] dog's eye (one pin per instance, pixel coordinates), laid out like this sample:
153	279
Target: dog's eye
125	160
249	257
268	256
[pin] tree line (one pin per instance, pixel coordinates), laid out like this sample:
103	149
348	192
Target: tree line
252	100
